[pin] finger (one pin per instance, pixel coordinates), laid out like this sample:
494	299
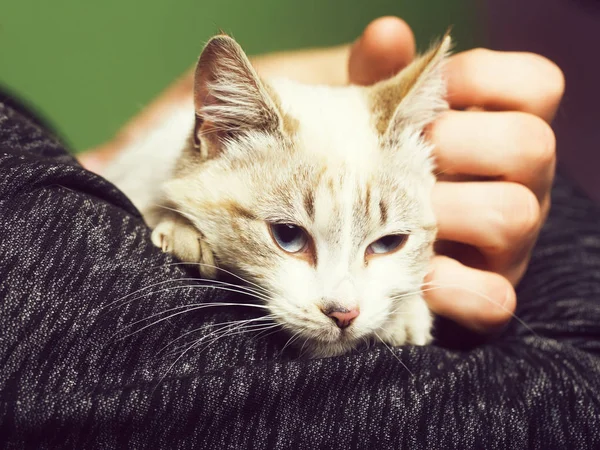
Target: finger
505	81
511	146
386	46
501	219
479	300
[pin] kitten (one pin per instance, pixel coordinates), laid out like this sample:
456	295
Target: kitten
320	195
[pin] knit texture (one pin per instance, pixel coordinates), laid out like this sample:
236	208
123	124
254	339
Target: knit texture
101	340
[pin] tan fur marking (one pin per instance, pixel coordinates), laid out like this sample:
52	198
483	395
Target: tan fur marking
235	209
309	256
383	211
330	185
312	253
368	200
309	203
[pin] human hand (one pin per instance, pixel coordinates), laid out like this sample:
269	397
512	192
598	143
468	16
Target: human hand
498	148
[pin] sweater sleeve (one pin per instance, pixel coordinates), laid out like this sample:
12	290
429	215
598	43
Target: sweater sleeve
106	342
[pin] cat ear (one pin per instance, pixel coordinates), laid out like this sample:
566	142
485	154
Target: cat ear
415	96
229	96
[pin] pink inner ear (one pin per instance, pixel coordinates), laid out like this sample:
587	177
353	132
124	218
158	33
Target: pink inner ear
229	97
207	70
204	76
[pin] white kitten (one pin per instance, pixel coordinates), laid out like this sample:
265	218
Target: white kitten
321	195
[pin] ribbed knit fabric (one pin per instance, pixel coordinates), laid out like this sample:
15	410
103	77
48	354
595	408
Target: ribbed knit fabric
83	362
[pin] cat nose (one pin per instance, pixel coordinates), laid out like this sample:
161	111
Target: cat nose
341	316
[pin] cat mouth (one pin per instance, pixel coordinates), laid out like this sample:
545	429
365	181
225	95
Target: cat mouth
336	336
327	348
325	338
325	341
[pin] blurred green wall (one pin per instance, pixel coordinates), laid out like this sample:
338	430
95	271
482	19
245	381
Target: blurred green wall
89	66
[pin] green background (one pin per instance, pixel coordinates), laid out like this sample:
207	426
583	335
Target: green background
90	66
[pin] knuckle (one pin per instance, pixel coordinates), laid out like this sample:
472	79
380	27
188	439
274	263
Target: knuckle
536	139
514	219
520	213
515	272
501	302
551	77
470	63
480	52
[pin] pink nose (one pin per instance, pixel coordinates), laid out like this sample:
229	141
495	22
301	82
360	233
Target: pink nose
341	316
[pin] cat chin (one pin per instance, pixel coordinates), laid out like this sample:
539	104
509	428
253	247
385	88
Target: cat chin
322	348
327	350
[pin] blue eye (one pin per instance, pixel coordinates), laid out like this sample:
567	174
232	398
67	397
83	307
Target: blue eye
387	244
291	238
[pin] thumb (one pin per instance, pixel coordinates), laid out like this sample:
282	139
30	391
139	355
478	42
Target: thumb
386	46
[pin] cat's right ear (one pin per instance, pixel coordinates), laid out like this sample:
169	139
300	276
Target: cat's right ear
229	97
415	96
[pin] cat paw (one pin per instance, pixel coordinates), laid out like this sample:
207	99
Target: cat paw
412	325
179	237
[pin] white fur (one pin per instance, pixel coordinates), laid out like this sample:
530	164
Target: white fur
336	154
335	122
142	168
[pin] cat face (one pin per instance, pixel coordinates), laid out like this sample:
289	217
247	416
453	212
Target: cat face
319	195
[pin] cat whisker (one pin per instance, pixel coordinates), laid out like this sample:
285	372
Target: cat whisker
168	208
190	308
290	341
223	287
302	348
227	330
198	286
217	268
417	292
489	299
217	129
261	288
392	352
367	342
246	323
222	325
437	173
260	334
231	331
192	346
397	312
237	331
264	293
145	288
409	294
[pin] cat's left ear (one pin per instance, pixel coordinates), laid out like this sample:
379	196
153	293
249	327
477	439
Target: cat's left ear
229	96
415	96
